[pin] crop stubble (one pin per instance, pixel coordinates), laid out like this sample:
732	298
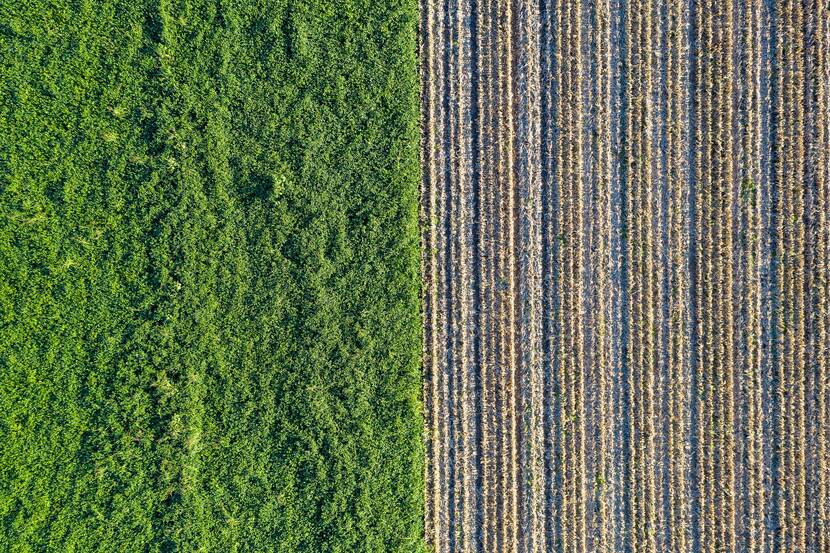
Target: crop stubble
625	256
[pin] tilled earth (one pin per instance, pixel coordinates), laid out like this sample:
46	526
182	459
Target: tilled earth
625	254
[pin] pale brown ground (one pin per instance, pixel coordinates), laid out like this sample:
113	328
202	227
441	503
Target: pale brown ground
625	260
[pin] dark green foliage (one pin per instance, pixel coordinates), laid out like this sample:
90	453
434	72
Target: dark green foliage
209	329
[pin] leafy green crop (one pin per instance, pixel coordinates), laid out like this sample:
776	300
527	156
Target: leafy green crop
209	328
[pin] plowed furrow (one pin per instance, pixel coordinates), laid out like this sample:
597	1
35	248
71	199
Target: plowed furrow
677	387
750	429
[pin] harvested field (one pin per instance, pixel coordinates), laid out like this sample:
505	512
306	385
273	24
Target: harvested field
625	263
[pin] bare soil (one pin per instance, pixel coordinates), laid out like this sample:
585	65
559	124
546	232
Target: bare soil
625	252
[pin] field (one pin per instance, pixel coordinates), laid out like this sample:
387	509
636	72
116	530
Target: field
625	262
236	316
209	290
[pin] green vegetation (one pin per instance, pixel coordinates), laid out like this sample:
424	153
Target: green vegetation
209	328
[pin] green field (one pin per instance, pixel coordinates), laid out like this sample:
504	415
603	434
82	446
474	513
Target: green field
209	290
